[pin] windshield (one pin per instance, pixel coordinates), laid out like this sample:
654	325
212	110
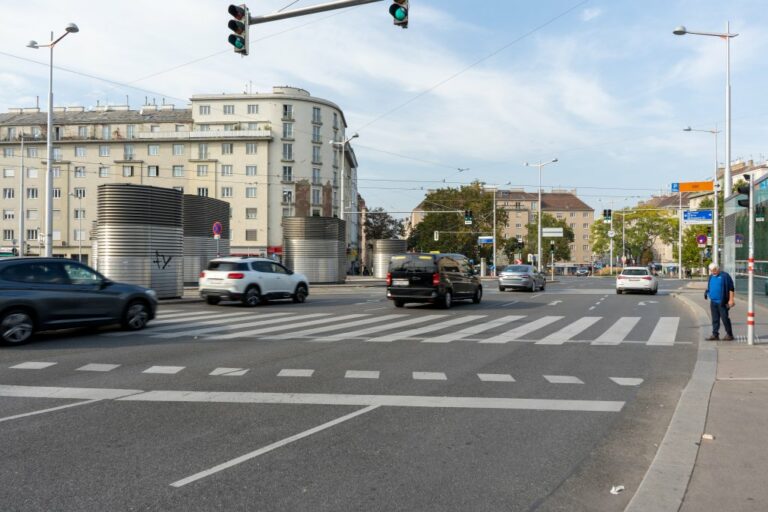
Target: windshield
635	272
412	263
517	268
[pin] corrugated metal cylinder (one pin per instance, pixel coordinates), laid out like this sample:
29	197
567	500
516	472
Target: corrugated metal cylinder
315	246
200	246
140	236
383	250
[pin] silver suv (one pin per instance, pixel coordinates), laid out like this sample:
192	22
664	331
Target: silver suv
251	281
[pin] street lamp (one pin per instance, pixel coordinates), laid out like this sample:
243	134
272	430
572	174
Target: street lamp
342	147
716	217
80	225
540	165
71	29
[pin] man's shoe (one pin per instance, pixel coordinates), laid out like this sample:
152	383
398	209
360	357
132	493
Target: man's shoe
713	338
728	338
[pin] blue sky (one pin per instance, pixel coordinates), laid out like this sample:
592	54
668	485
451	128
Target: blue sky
605	87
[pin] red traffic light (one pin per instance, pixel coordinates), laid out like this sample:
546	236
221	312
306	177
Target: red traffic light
238	11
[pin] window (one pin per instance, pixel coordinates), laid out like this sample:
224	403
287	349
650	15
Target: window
335	178
287	151
573	214
229	110
155	128
103	172
8	215
315	213
227	148
585	248
32	193
585	237
204	110
180	128
32	152
79	235
287	196
103	150
316	134
153	171
335	120
7	152
178	150
251	235
79	172
9	173
127	171
106	132
204	127
226	191
82	132
8	193
79	151
250	192
57	193
202	170
153	149
56	232
79	193
128	152
7	234
287	173
316	115
177	171
572	225
56	172
559	215
287	111
287	130
202	191
250	170
316	155
316	177
253	109
250	148
226	170
251	213
316	196
33	234
131	131
533	206
202	151
585	225
32	173
79	213
56	153
585	214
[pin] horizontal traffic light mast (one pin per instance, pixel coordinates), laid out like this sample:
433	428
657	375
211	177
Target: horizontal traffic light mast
313	9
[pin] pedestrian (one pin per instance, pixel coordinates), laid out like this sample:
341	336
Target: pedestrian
721	294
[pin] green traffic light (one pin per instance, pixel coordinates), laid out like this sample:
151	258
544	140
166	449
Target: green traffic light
237	41
400	14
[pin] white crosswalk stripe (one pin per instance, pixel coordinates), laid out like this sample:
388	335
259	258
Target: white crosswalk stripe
219	320
665	331
226	325
563	379
475	329
229	372
430	328
257	332
173	323
335	327
618	331
569	331
380	328
524	329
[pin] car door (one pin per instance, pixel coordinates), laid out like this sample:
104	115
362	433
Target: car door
96	301
282	278
41	285
264	276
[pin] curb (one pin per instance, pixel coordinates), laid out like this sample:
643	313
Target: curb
666	481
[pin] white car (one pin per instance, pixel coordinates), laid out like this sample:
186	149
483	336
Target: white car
251	281
637	279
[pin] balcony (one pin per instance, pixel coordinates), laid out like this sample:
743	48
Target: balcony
215	134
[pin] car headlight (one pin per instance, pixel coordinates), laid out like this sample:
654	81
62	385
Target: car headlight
151	293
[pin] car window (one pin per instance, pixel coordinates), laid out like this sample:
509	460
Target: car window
278	269
78	274
226	266
448	264
412	263
36	273
517	268
262	266
634	272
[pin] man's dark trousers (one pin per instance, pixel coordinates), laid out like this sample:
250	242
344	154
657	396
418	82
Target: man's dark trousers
720	311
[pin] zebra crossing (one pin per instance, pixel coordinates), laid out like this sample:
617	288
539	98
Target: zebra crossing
429	328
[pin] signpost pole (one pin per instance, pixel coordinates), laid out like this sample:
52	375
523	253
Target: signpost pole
680	237
751	267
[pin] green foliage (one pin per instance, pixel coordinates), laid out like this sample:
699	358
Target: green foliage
562	248
380	225
642	228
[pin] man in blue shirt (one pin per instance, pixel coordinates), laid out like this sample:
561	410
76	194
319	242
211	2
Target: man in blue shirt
721	293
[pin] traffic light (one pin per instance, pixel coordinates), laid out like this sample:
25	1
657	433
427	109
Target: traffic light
467	217
437	236
760	214
607	216
744	189
399	11
239	25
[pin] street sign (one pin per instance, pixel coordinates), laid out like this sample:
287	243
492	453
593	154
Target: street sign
552	232
697	216
739	240
693	186
675	187
611	234
484	240
217	228
701	240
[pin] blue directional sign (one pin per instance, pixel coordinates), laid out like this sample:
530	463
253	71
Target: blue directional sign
697	216
676	187
484	240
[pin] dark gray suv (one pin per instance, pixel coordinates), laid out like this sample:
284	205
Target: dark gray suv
42	294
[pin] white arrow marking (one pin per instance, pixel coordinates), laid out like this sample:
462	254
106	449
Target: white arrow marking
646	302
555	302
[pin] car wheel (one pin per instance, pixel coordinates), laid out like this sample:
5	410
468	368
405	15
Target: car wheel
447	301
16	327
136	316
501	289
301	294
618	292
543	286
532	288
399	303
478	295
212	300
251	297
655	291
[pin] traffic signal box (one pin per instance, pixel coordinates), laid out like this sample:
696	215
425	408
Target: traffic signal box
399	12
239	26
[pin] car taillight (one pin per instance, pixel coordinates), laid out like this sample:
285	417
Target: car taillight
647	278
235	275
389	278
202	274
435	279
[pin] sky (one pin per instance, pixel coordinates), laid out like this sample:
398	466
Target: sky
469	92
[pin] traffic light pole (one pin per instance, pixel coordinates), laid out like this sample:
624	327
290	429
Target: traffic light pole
751	268
313	9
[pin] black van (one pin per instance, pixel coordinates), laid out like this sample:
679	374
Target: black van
435	278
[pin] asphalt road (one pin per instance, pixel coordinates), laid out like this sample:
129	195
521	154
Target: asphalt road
527	401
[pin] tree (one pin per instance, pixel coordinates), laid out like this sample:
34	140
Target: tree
380	225
641	228
562	244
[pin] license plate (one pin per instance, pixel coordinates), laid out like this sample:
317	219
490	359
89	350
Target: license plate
400	282
214	280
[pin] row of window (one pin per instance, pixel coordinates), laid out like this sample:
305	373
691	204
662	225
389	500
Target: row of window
33	193
34	234
129	150
34	214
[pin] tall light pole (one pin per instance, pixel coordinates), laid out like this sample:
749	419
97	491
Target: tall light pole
716	214
71	29
21	201
342	148
540	165
80	226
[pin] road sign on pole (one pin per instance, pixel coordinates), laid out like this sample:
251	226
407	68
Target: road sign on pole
697	216
552	232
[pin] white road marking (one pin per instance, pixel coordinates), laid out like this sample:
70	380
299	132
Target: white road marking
379	328
591	308
665	331
335	327
563	379
66	393
256	332
51	409
32	365
358	374
569	331
536	295
554	303
269	448
176	323
626	381
219	320
167	370
475	329
295	373
429	376
227	326
618	331
522	330
495	377
510	303
229	372
95	367
178	317
438	326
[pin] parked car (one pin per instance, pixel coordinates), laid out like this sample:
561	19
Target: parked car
42	294
251	280
432	278
521	277
582	272
639	279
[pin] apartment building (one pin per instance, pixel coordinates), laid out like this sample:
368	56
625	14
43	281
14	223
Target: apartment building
270	155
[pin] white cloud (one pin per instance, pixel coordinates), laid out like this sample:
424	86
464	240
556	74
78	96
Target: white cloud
590	14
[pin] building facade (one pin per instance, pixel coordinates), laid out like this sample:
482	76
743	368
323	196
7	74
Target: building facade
270	155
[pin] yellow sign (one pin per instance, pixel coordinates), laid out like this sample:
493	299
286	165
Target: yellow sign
697	186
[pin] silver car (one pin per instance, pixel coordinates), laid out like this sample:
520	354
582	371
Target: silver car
521	277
